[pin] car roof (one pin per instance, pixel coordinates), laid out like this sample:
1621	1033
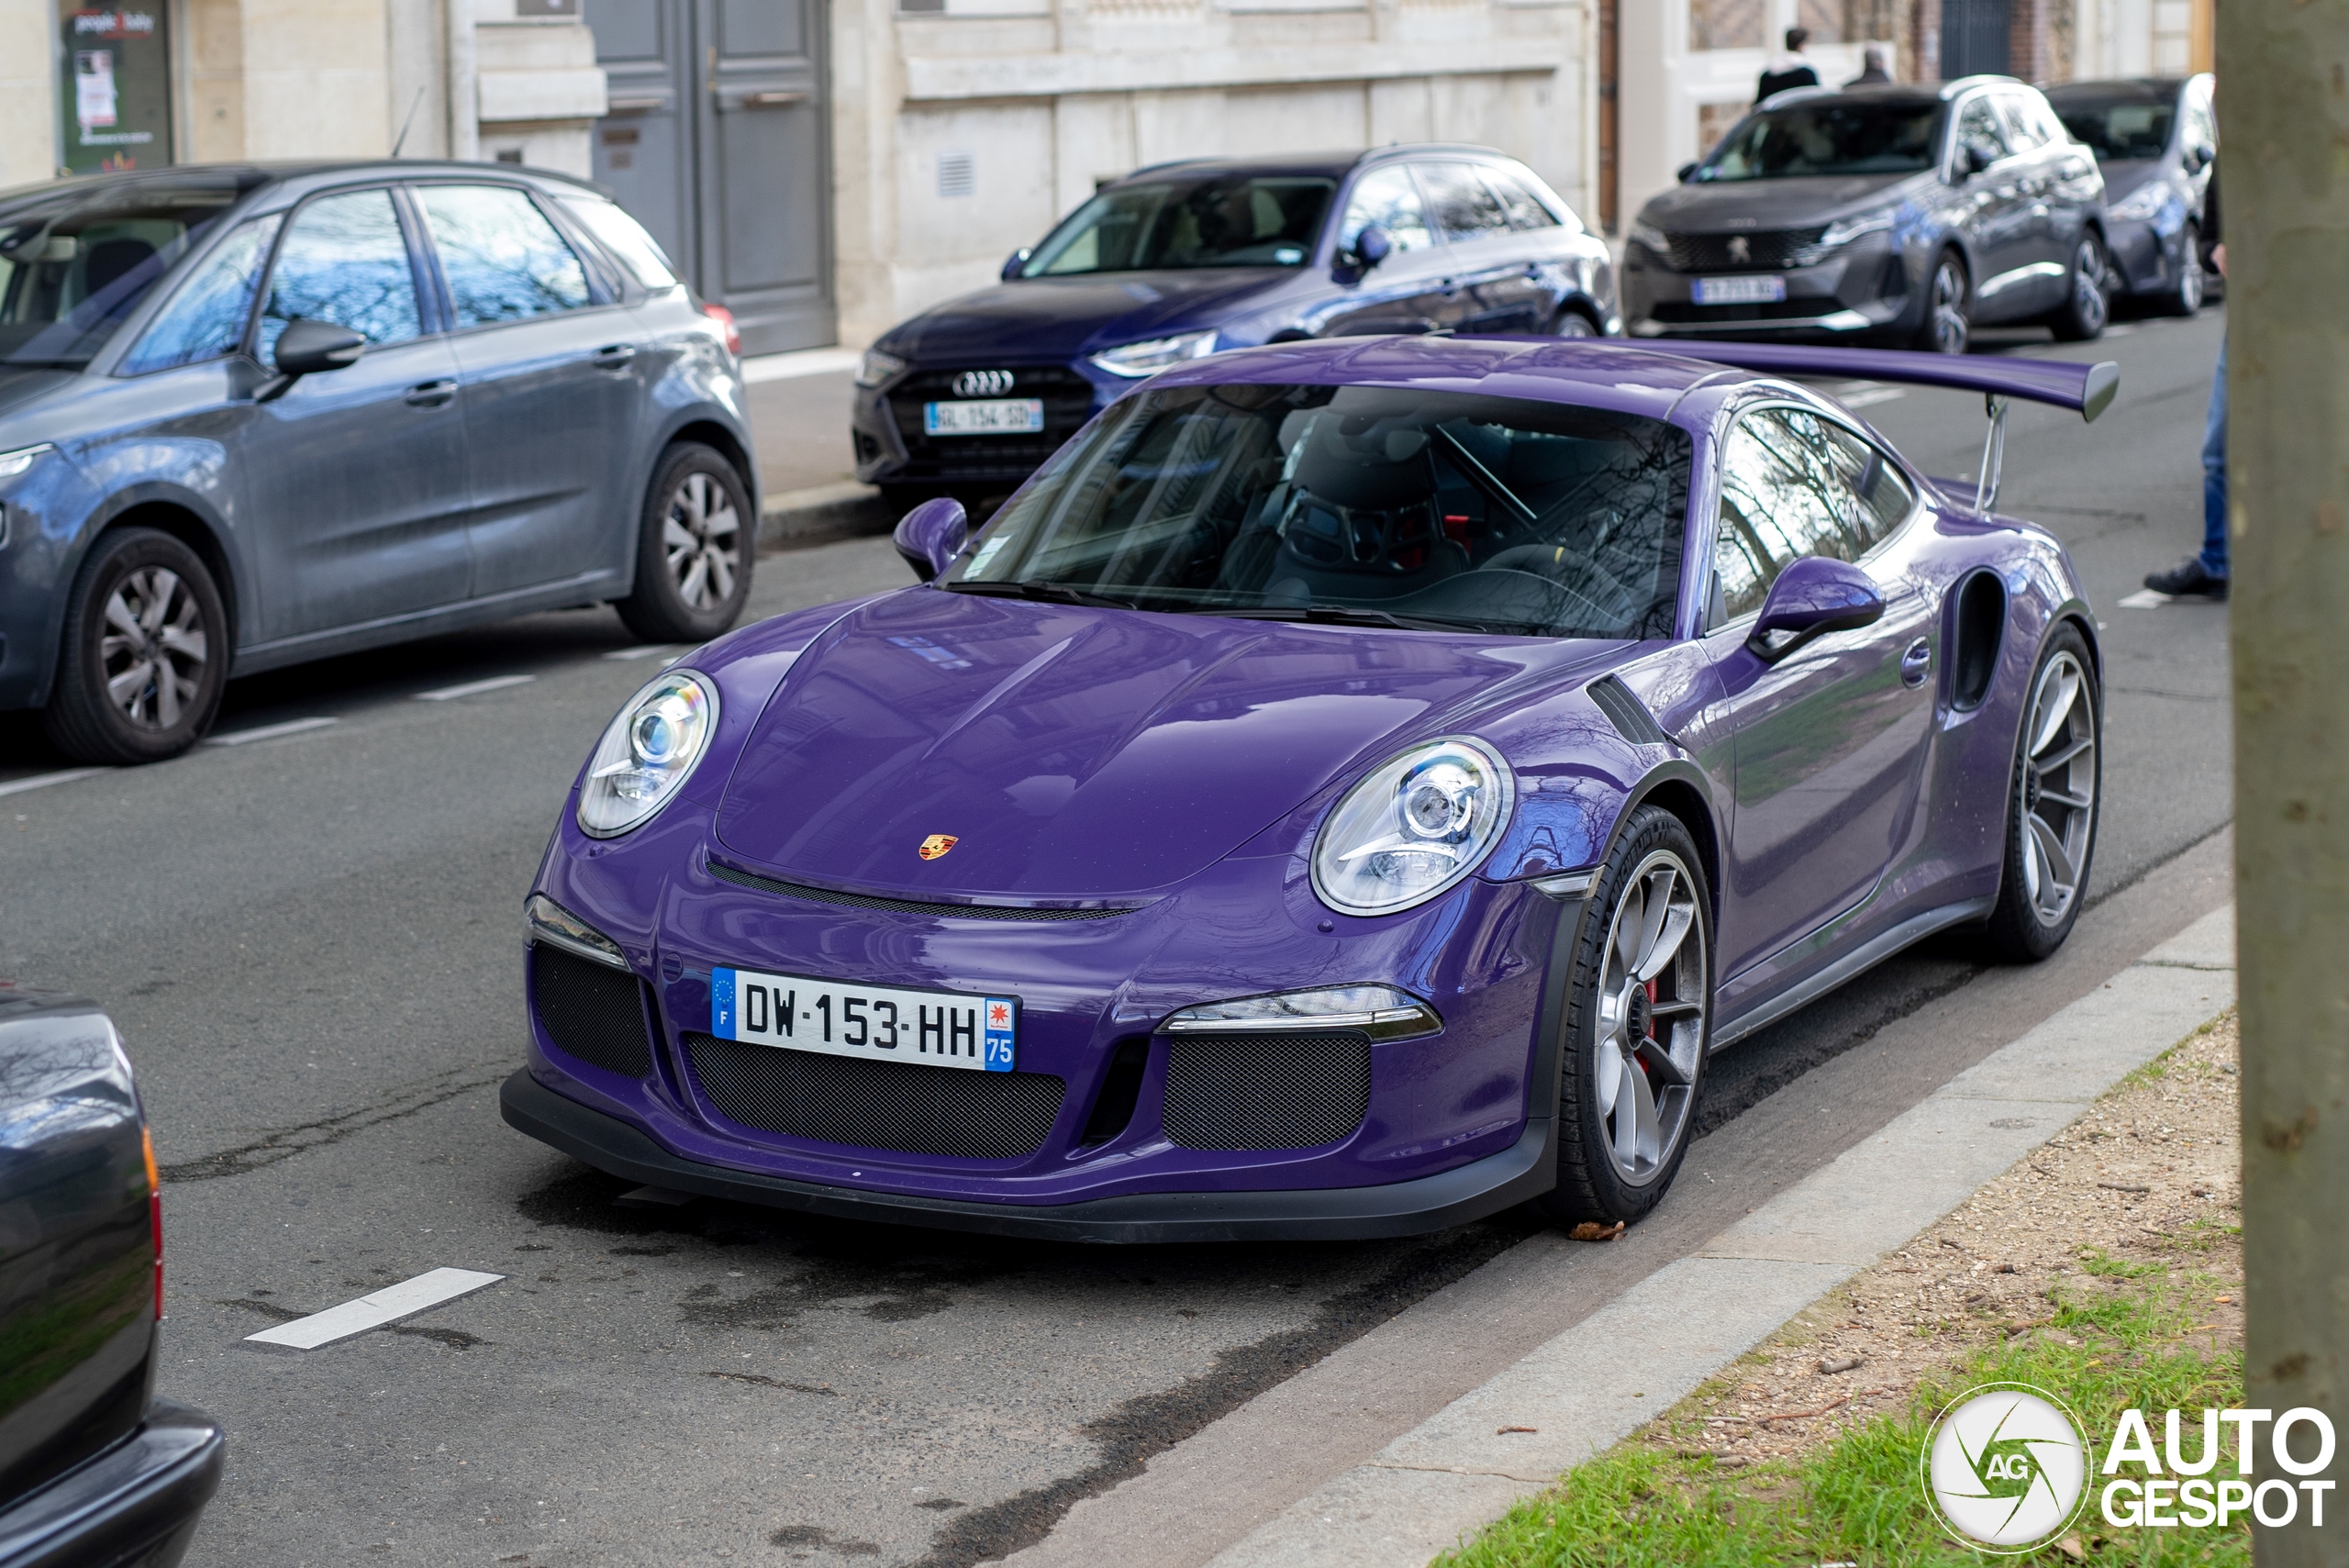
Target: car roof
1335	164
2120	89
302	172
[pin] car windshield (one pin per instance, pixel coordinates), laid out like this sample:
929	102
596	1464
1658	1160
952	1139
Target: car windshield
1356	504
1834	136
1234	221
75	263
2118	129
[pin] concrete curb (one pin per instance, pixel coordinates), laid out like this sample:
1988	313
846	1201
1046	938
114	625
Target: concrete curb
1589	1387
822	512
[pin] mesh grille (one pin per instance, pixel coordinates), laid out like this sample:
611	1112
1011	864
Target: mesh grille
591	1012
1280	1091
1680	313
907	906
1763	248
876	1104
1068	404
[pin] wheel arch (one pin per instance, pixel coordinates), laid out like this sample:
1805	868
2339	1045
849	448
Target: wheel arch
168	512
722	438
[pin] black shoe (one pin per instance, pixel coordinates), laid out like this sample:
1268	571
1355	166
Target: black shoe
2189	579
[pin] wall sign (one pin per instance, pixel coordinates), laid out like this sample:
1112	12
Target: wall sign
114	106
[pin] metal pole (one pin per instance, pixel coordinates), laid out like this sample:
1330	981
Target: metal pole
2284	99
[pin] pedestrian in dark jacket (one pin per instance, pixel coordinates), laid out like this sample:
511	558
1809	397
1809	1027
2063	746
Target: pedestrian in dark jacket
1872	70
1791	69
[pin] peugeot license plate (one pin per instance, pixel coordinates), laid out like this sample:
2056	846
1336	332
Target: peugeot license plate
1763	290
880	1023
984	416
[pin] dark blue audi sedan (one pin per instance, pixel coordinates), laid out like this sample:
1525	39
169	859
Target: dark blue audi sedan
1177	261
252	416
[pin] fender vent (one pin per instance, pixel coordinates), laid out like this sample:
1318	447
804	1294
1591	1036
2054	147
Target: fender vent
1623	710
589	1011
1980	619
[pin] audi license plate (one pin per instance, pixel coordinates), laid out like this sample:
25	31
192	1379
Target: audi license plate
880	1023
1764	290
985	417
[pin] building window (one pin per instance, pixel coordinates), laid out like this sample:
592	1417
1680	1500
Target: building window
1728	24
115	98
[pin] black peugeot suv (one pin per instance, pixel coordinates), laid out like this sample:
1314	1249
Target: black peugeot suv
1903	214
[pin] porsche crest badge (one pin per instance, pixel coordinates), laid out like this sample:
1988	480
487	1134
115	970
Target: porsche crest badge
936	845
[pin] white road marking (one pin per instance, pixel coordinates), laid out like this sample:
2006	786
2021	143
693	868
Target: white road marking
389	1305
475	688
269	731
42	781
2143	599
645	651
1863	394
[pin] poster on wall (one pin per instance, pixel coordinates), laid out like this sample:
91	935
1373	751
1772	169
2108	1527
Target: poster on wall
117	103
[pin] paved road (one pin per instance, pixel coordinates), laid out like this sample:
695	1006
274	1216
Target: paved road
310	942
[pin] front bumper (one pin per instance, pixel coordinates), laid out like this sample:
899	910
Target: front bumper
134	1505
1864	288
885	426
1524	1171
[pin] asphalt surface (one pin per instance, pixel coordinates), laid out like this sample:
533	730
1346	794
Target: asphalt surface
311	943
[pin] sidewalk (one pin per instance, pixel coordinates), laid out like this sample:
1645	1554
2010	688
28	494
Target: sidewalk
798	406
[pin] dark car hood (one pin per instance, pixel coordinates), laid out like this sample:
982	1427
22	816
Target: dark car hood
1770	203
21	388
1058	319
2122	175
1071	752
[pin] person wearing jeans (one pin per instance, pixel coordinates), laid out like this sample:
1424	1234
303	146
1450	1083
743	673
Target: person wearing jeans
2204	575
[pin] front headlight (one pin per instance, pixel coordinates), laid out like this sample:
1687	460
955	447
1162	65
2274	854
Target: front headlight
1654	238
15	462
1844	230
1149	359
1419	823
647	752
2139	205
878	369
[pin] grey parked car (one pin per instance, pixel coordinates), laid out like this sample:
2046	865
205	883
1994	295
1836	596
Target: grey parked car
1908	214
254	416
2156	141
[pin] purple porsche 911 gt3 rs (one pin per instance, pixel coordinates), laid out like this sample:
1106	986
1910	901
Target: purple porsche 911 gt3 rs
1352	788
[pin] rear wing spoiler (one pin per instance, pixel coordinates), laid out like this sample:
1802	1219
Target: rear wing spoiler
2086	390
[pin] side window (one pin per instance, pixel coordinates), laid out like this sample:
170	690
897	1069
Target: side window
1979	133
503	259
1387	198
626	238
2202	130
2021	117
344	261
205	319
1794	484
1462	206
1523	210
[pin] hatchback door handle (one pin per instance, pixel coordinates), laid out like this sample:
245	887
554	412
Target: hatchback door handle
614	356
431	394
1915	660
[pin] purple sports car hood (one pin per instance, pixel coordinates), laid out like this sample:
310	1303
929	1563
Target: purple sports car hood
1070	752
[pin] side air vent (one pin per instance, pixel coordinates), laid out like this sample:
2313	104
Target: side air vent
591	1012
1623	710
1980	626
1113	1108
1266	1091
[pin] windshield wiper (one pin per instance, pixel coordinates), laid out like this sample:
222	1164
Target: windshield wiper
1042	593
1349	615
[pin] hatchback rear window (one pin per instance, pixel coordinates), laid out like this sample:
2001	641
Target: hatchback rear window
75	264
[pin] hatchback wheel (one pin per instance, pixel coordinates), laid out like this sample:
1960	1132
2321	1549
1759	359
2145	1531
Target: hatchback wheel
1573	323
145	655
2052	814
1949	309
1637	1026
2085	309
693	563
2186	299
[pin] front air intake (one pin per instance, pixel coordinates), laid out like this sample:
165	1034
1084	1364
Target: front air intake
904	1107
1266	1091
590	1010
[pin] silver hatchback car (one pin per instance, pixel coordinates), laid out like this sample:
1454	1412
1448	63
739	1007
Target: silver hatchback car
250	416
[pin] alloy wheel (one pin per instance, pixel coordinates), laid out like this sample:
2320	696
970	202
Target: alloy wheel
1575	324
2090	289
701	541
152	652
1650	1018
1951	329
2059	775
2189	275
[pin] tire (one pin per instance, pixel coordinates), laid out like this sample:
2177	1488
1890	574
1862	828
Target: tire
1948	327
2087	303
695	548
145	655
2186	299
1573	323
1620	1141
2051	828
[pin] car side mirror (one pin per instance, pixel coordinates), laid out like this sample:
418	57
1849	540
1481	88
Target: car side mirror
1011	266
1685	174
306	347
1372	246
931	535
1970	163
1813	595
2198	159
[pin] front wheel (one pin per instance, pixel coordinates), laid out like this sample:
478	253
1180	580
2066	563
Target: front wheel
2051	810
146	652
695	546
1949	309
2186	299
2089	304
1573	323
1639	1022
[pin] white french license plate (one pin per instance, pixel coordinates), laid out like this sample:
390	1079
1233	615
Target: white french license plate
1740	291
986	417
880	1023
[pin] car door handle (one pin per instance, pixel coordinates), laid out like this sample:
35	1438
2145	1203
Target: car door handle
431	394
614	356
1915	662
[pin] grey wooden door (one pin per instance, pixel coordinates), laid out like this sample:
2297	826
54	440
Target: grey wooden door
717	141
